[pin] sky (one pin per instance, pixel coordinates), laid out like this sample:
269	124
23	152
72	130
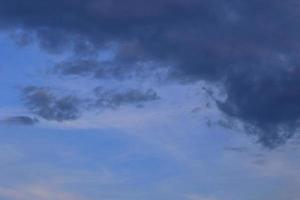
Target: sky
143	100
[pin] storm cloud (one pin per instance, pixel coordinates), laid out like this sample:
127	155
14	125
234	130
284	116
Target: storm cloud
250	47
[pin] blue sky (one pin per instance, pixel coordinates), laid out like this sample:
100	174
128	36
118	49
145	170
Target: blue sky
140	112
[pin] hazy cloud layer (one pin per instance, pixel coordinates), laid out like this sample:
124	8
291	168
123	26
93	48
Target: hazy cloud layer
251	47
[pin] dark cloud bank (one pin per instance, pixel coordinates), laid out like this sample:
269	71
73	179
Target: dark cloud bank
249	47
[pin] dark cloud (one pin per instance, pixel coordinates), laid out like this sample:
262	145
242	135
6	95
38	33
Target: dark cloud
54	106
114	99
87	67
19	120
45	104
79	67
267	100
251	47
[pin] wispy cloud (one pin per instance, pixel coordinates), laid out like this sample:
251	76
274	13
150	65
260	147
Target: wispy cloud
36	192
19	120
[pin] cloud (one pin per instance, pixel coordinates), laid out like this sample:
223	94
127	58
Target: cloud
19	120
55	106
249	47
267	100
112	99
45	104
112	69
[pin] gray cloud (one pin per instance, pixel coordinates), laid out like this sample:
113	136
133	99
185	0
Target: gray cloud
113	99
250	47
55	106
19	120
269	101
45	104
89	67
